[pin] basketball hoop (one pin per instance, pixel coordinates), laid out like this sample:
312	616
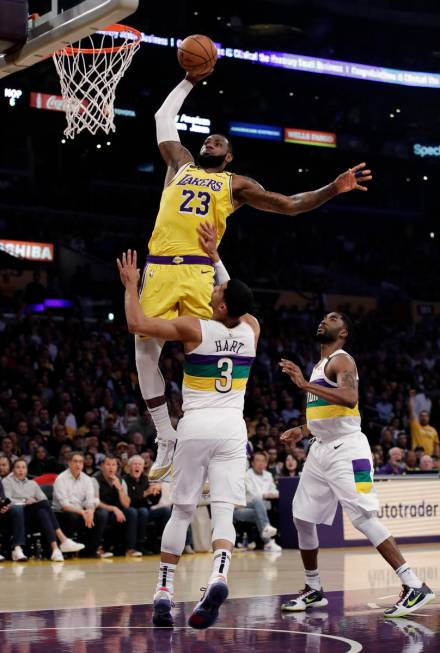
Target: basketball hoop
89	73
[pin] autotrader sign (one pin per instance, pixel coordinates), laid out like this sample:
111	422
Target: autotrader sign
28	250
408	508
309	137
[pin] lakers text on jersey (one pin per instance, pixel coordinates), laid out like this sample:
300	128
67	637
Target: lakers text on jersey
192	195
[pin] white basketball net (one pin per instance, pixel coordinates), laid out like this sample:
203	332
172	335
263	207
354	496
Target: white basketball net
89	79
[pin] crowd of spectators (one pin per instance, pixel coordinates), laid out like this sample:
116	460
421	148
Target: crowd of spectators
71	410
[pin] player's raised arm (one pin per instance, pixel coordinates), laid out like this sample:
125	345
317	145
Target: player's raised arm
186	329
173	152
346	394
247	191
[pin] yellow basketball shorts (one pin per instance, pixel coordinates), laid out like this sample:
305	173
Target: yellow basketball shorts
170	291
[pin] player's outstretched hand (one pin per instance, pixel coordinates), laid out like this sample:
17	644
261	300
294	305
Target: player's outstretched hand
292	436
294	372
208	240
128	268
353	179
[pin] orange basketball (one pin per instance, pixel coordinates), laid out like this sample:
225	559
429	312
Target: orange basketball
197	54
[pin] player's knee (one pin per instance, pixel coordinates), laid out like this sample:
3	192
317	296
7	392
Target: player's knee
183	512
222	515
370	526
307	534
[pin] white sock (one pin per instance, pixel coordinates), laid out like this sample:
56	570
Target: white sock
166	577
220	565
408	577
312	579
162	422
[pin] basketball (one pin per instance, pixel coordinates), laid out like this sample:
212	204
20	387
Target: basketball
197	54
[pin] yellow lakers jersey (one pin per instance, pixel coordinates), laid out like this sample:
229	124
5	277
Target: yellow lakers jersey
192	195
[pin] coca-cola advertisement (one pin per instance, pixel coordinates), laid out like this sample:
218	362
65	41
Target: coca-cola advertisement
50	102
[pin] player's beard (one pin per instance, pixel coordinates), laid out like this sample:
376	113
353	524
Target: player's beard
211	160
324	337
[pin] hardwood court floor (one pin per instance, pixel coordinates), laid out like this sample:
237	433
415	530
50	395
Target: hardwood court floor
105	606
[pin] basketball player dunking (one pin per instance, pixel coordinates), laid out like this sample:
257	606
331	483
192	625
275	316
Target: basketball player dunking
178	277
339	467
212	434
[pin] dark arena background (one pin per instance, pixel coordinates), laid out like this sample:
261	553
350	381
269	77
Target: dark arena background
304	90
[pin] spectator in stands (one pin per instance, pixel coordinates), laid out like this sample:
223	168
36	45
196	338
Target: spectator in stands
274	466
89	464
75	504
28	496
5	466
113	497
289	412
290	467
426	463
7	446
60	437
377	460
422	433
402	441
300	454
411	462
42	463
394	464
148	458
384	408
143	496
260	488
44	423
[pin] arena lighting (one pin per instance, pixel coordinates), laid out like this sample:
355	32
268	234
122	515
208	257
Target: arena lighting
50	303
305	64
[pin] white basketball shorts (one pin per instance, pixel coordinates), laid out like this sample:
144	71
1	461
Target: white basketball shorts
211	446
340	470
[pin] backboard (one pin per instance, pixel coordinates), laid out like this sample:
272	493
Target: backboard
56	29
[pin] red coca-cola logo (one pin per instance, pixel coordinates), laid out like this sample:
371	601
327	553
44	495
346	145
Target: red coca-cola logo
52	102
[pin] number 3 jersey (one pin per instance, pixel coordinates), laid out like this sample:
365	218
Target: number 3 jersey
217	371
192	196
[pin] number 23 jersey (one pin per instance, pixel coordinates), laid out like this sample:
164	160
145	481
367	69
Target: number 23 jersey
217	371
192	196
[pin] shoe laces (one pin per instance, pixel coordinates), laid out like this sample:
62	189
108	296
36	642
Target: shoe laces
406	590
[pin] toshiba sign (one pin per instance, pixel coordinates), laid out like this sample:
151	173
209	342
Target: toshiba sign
49	102
28	250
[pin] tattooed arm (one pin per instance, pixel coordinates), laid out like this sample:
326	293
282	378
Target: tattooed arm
341	368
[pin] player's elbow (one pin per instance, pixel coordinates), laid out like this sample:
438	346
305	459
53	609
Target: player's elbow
351	402
133	326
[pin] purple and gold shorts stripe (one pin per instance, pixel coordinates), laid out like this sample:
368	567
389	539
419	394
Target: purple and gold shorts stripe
362	475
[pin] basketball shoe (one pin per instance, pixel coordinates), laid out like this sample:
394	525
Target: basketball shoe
307	598
410	600
162	604
206	611
162	466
